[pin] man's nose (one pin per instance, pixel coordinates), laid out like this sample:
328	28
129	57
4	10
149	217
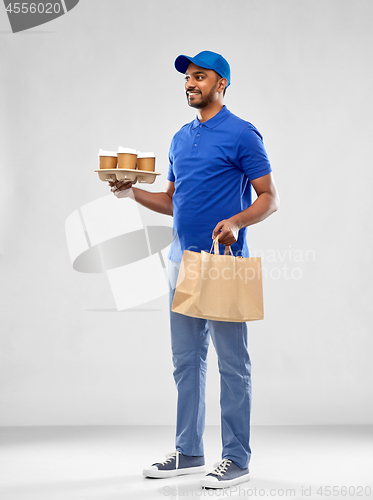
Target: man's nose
189	85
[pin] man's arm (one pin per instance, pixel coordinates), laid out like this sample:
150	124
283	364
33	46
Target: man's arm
158	202
267	202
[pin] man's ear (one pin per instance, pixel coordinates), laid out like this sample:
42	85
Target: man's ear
223	82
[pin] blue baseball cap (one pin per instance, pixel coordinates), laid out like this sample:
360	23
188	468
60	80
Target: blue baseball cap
208	60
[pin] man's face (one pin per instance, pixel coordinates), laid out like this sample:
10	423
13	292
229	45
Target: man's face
201	86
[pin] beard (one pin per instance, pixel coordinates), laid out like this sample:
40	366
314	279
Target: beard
204	100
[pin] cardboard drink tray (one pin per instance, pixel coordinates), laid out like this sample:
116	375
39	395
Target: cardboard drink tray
124	174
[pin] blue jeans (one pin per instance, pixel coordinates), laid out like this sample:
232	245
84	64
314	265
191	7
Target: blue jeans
190	341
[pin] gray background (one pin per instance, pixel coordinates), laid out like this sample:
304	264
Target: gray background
103	76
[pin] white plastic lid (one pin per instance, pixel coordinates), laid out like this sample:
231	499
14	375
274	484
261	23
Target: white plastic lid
127	150
102	152
145	155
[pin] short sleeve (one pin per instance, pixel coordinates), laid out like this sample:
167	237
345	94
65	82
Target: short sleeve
171	174
251	155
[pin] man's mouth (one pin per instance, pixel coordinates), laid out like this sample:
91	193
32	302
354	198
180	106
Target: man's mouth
192	94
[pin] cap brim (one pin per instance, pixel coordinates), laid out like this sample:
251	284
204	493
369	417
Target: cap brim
182	63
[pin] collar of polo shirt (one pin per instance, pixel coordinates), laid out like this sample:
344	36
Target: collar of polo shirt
214	121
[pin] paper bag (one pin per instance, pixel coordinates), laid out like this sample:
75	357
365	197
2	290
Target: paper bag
219	287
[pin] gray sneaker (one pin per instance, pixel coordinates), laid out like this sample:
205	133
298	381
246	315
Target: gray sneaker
226	474
176	464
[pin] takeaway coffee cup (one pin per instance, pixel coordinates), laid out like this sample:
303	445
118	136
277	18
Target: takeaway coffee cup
127	158
107	159
146	161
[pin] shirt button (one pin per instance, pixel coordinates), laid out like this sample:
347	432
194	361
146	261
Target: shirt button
200	126
195	145
197	135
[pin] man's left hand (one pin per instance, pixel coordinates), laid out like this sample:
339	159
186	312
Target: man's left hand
228	232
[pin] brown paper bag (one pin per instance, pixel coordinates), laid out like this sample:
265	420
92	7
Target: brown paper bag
219	287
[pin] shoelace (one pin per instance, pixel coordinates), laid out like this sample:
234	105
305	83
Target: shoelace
222	467
170	457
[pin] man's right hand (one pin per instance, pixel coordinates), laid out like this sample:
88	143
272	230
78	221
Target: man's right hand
158	202
120	188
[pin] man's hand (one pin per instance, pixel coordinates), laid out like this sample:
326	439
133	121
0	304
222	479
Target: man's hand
120	188
228	232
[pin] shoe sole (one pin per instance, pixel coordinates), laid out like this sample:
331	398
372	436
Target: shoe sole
158	474
211	483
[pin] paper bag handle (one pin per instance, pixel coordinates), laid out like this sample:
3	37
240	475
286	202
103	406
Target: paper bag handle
215	244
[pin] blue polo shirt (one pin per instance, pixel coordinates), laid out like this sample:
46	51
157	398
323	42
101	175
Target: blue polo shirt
212	164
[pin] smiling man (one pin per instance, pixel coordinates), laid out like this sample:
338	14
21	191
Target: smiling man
201	85
213	163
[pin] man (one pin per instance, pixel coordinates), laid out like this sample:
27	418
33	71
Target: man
214	161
